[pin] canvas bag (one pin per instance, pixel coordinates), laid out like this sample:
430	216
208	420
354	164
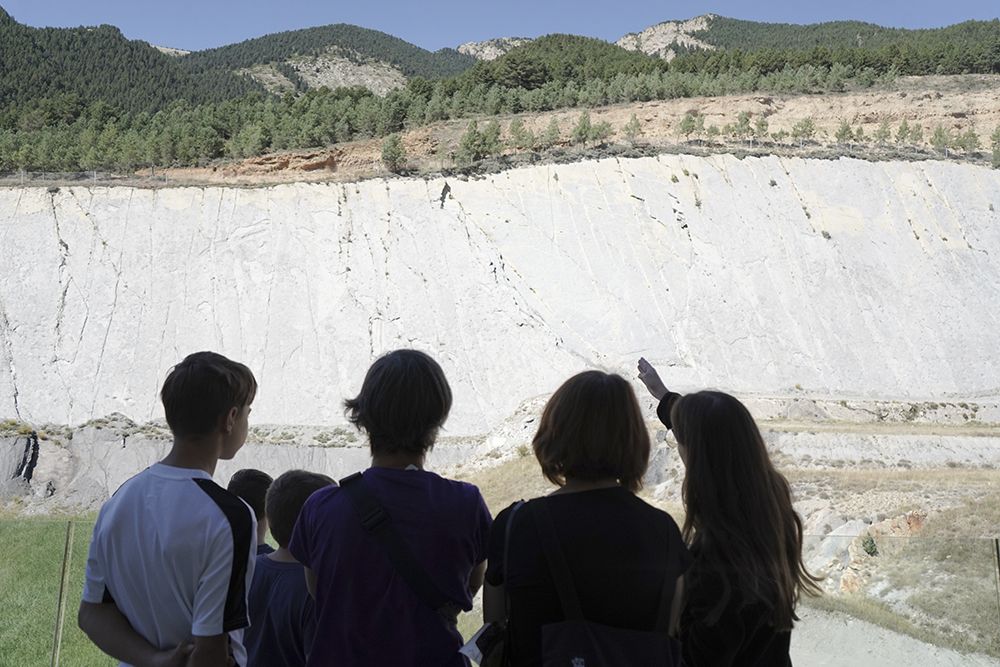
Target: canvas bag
577	642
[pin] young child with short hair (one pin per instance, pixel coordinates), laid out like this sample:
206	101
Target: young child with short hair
251	486
281	610
172	554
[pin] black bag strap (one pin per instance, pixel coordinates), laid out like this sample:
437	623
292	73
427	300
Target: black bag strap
377	522
505	655
506	554
564	582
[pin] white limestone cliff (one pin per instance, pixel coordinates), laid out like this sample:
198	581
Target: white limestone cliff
841	278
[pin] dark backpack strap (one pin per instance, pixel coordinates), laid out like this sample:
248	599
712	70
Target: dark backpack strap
377	522
557	561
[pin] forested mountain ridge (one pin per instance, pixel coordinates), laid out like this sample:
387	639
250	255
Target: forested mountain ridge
359	45
87	98
971	46
99	63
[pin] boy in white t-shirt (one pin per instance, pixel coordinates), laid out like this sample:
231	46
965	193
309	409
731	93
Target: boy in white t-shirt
172	554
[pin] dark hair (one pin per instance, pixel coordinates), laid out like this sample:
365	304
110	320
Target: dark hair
251	485
739	518
201	389
591	429
403	402
285	499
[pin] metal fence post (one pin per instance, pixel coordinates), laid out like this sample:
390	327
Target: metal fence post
63	589
996	571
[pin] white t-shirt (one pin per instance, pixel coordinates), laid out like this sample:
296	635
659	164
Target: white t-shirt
175	552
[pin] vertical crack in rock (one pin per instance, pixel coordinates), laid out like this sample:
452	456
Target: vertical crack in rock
118	268
959	215
62	276
8	353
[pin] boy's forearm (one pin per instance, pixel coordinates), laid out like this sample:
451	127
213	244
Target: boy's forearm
105	625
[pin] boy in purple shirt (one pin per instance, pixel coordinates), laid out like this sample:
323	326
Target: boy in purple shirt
367	612
282	614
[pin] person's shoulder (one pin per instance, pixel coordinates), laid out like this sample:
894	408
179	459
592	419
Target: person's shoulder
653	513
456	487
504	516
230	510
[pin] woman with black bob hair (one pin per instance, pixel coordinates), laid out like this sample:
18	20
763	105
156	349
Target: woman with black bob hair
623	557
745	536
395	552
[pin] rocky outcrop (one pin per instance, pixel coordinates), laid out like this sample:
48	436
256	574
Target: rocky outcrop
662	40
844	279
491	49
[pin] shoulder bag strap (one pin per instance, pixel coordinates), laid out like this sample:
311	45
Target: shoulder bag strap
557	561
377	522
506	554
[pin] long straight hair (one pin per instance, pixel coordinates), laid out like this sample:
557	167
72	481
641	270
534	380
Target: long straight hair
739	519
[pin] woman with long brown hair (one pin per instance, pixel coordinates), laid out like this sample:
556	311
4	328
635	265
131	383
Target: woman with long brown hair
746	538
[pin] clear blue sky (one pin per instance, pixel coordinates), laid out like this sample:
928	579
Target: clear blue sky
432	24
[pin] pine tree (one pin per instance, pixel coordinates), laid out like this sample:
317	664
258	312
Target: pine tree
393	153
632	130
903	133
600	132
581	133
803	131
883	133
491	144
969	141
521	138
552	134
741	130
691	123
845	134
470	146
760	128
917	135
941	140
995	145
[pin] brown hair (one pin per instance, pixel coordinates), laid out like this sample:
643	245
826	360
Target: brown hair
403	401
739	518
251	485
285	499
592	429
201	389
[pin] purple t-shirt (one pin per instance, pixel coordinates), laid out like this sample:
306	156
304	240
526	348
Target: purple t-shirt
366	614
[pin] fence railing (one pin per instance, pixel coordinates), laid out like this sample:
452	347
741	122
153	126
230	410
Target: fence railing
927	593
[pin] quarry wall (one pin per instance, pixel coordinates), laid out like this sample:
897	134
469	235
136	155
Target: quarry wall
763	275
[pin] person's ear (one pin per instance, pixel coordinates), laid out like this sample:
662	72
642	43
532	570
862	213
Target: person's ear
231	419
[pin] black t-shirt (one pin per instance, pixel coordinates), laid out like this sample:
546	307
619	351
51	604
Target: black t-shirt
618	549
